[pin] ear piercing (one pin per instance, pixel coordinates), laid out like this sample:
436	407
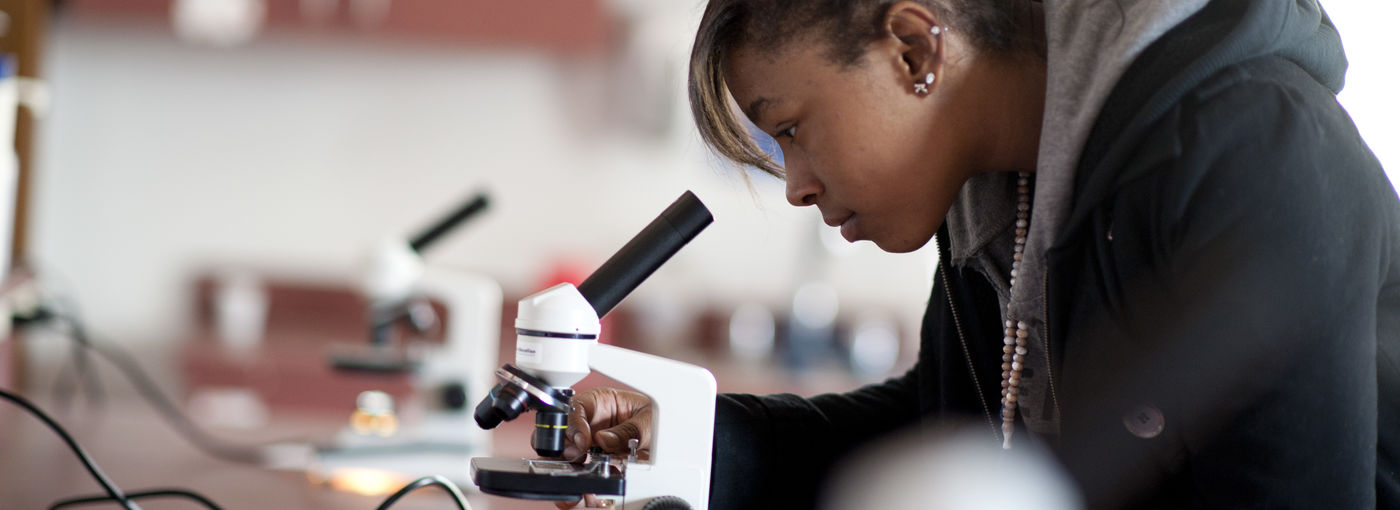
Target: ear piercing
921	87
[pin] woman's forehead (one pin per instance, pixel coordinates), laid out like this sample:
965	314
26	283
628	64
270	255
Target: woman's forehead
761	81
765	81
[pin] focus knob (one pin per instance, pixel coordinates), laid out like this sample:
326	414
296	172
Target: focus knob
667	503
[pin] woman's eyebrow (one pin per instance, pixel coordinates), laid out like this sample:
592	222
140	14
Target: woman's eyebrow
758	107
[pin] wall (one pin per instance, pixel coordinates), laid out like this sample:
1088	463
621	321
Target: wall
1367	32
297	151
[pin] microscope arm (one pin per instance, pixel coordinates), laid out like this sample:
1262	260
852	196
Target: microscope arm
683	419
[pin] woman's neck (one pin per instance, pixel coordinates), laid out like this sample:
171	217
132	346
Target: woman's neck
1015	110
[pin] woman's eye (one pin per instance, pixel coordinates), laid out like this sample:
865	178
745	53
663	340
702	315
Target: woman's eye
789	132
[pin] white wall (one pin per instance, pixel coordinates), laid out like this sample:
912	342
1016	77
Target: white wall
298	151
1368	32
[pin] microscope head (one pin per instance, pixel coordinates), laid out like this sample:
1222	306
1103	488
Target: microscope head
396	264
555	328
391	272
395	268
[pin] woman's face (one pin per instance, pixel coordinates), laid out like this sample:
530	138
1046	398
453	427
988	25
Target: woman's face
877	159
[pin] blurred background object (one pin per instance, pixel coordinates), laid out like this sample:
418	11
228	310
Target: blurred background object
217	22
286	154
23	33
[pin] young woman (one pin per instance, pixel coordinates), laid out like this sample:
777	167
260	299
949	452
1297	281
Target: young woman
1165	252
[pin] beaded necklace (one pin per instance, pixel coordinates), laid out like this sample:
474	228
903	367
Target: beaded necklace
1013	355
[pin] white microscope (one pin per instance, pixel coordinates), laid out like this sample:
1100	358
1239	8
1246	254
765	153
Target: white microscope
557	346
446	378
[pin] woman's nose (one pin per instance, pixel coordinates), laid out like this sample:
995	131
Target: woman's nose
802	188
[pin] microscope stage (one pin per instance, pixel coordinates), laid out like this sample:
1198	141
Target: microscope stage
544	479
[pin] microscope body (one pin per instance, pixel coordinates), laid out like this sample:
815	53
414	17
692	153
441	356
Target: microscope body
557	344
471	340
471	333
446	378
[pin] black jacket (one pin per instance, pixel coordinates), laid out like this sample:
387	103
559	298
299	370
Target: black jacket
1231	259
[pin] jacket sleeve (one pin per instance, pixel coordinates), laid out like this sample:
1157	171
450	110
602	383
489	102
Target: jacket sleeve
774	451
1253	327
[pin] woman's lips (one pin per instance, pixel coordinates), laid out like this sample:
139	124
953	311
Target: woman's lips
848	229
845	222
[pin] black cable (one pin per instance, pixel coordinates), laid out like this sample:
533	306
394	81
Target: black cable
177	419
113	492
146	494
437	480
63	387
126	363
126	500
88	377
63	384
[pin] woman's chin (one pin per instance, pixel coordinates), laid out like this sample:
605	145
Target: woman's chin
895	244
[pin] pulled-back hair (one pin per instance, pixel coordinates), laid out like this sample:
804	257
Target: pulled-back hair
845	26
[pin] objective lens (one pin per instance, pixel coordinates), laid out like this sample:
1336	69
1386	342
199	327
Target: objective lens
505	403
550	427
485	418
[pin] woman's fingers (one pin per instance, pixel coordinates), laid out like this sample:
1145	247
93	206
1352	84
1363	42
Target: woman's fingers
625	414
638	426
580	433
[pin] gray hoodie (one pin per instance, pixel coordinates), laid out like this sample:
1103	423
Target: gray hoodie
1089	43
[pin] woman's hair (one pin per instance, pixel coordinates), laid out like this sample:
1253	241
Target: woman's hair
845	26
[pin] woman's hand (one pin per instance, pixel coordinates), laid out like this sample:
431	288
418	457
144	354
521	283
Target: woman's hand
608	418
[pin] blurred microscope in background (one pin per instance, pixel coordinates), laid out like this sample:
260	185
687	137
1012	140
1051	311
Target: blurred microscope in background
445	377
428	342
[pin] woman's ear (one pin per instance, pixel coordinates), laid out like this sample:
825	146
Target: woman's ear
920	42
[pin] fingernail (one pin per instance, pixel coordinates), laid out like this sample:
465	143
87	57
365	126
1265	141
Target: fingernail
578	438
608	437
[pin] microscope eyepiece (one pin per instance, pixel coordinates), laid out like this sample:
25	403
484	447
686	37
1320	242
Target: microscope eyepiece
645	253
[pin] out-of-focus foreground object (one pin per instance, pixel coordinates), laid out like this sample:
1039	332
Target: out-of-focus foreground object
952	469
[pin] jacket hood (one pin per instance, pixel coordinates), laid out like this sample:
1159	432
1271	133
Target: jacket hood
1113	68
1222	34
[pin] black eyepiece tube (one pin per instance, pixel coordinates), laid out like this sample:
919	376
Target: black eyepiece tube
449	222
640	257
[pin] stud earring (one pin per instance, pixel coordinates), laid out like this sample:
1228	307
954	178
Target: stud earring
921	87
